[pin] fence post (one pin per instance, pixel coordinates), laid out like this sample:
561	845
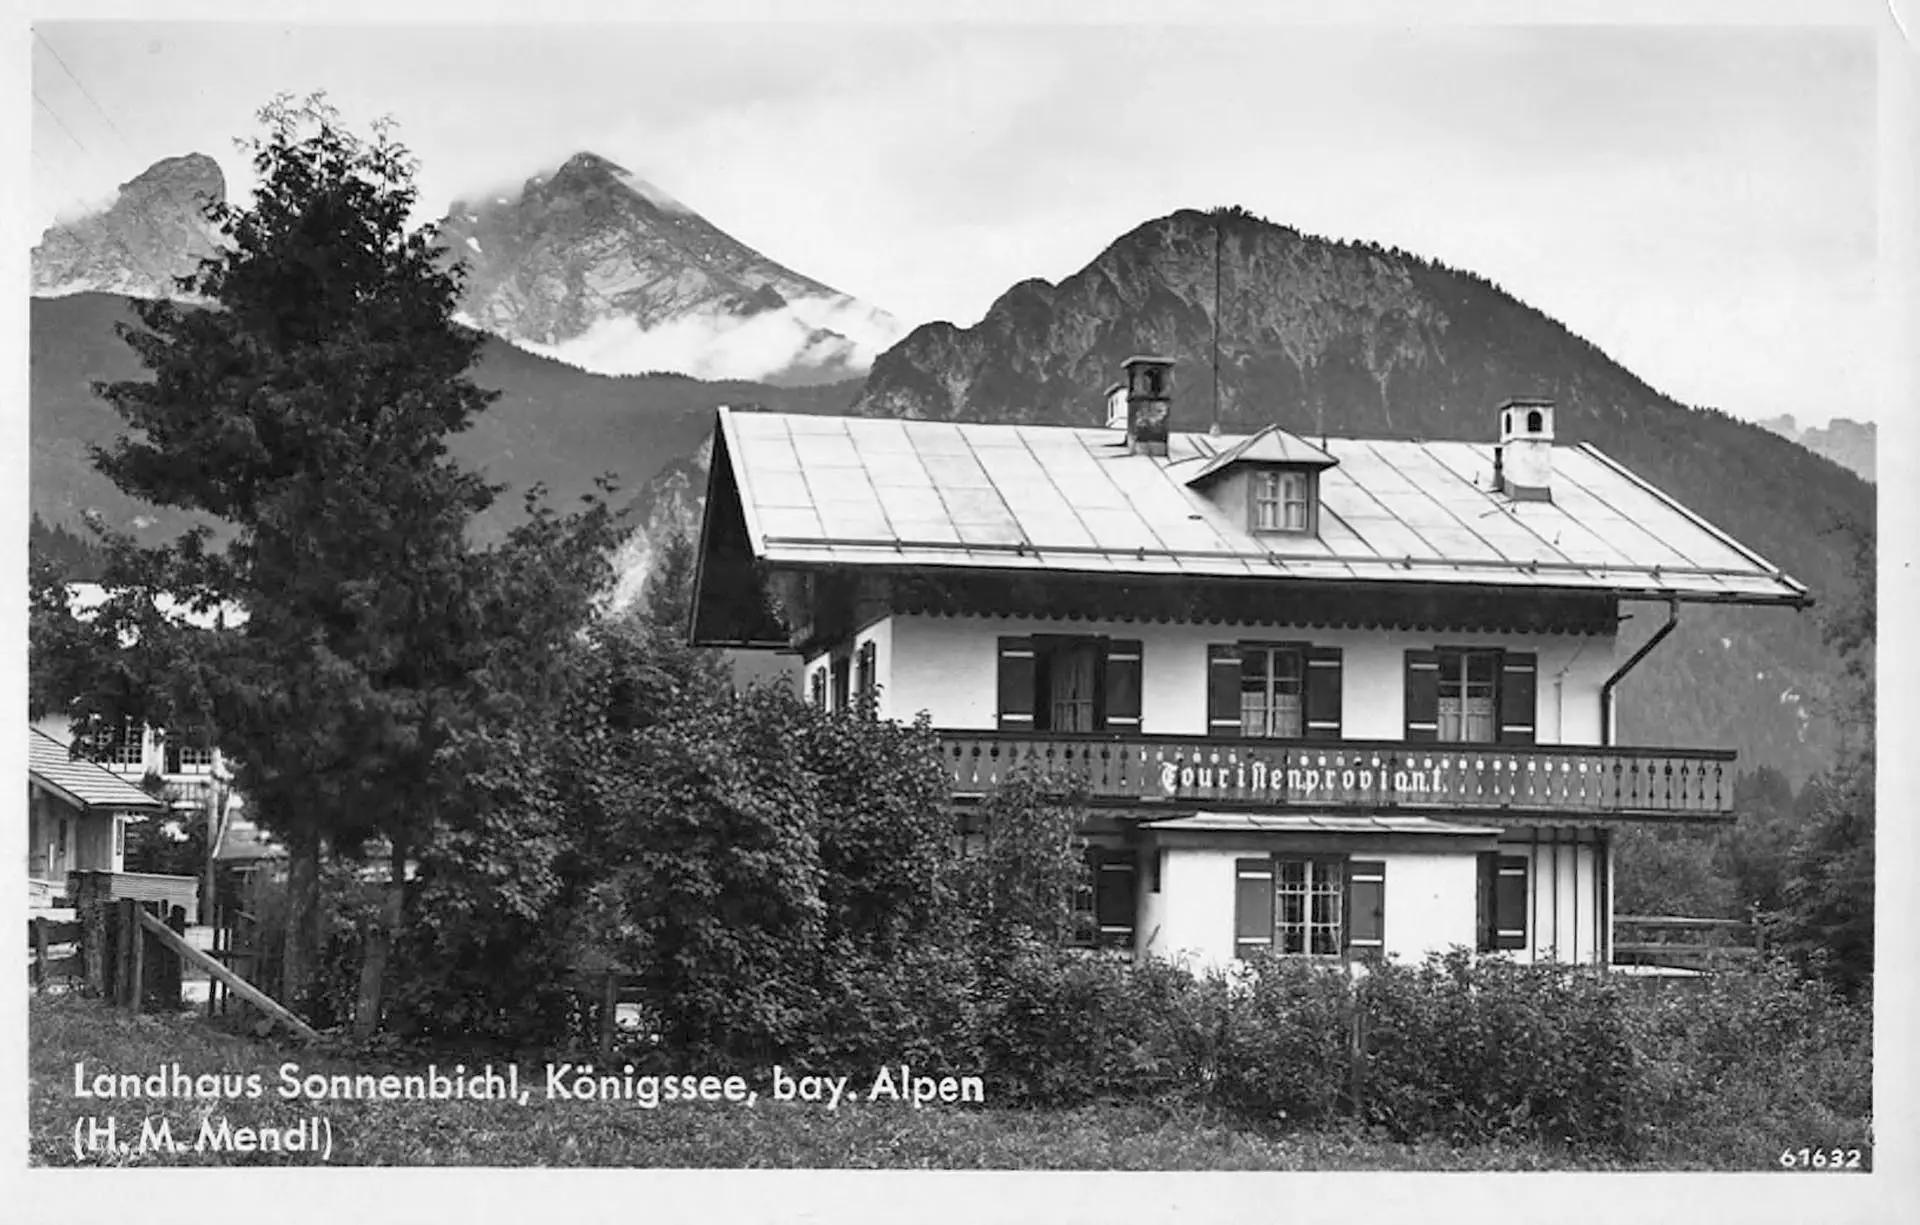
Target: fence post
137	997
126	940
39	926
609	1006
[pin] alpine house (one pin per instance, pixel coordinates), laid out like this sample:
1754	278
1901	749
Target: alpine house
1334	698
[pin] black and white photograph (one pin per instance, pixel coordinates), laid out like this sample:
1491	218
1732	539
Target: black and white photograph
964	591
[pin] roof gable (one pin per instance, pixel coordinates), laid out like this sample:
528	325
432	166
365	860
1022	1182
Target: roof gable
1271	445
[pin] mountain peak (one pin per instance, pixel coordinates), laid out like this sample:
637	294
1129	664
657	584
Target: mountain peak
188	176
152	232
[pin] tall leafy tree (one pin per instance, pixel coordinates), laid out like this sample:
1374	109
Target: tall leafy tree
1827	917
309	405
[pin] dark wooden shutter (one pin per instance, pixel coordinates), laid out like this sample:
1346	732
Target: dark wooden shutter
842	684
173	754
1423	695
1518	684
1223	692
1487	874
1366	908
817	687
1252	905
1122	685
1323	693
1016	685
1510	903
865	679
1115	877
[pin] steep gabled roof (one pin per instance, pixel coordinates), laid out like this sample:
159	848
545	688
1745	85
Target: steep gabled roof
82	783
1271	445
861	491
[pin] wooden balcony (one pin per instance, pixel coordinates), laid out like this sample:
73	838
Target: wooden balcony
1189	771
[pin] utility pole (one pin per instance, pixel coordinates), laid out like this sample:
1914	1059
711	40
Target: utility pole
1216	322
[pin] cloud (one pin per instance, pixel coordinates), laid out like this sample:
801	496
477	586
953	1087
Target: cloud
809	332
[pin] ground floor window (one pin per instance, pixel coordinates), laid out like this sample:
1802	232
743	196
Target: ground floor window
1309	906
1104	906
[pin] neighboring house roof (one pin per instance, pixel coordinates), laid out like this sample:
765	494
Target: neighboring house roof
82	783
898	493
243	840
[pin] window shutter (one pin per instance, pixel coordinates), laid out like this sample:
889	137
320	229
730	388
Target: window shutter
1366	908
1223	690
1115	875
1123	685
1323	693
1487	873
1510	903
1423	695
866	668
1252	905
172	746
1016	685
1518	672
817	687
842	684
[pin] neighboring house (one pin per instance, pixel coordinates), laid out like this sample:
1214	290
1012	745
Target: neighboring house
1336	698
179	766
77	814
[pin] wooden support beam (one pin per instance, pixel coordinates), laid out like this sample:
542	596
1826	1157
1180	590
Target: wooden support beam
236	984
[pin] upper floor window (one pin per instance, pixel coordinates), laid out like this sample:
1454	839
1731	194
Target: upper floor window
1272	682
1274	689
1283	500
1069	683
1478	695
124	745
1467	683
188	753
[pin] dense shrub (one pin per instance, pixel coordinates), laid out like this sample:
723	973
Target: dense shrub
1473	1052
1756	1061
1282	1051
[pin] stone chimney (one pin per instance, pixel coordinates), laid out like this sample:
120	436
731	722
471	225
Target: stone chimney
1149	388
1523	462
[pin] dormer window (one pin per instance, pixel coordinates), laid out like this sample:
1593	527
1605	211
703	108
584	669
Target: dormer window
1283	500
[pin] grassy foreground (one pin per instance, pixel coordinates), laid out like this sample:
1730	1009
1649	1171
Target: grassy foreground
65	1031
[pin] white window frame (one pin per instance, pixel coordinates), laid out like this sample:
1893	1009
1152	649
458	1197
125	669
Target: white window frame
1283	501
1268	703
1321	883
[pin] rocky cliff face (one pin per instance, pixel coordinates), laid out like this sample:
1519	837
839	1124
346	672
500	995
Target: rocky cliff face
1851	444
600	268
152	232
1045	352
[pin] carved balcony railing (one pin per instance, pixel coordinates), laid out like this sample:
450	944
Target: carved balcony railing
1355	774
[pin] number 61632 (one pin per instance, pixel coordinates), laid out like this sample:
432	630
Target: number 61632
1820	1159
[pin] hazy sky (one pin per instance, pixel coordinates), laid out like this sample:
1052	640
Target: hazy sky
1700	203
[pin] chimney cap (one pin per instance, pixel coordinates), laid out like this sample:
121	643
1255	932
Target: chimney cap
1527	402
1147	359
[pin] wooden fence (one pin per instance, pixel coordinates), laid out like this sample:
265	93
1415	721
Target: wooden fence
133	953
1682	942
104	950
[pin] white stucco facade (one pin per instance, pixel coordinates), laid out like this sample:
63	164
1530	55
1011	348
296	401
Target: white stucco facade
947	668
